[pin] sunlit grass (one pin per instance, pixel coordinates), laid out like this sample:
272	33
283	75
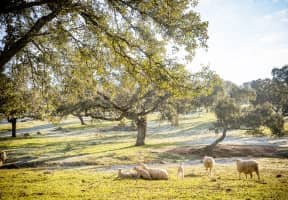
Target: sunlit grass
91	184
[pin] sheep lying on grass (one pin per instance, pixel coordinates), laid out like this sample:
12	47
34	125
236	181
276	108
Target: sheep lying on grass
180	172
209	163
156	173
128	175
247	167
141	173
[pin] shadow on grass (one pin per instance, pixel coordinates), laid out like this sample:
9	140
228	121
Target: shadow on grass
176	132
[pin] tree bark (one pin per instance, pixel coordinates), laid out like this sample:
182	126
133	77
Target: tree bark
81	120
210	147
175	120
141	128
13	122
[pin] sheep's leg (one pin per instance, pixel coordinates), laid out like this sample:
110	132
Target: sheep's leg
246	176
257	172
251	175
138	175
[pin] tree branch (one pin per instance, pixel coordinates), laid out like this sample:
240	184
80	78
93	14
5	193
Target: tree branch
7	55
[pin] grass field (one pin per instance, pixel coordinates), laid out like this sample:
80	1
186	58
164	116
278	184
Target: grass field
80	162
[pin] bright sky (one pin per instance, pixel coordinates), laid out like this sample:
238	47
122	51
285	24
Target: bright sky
248	38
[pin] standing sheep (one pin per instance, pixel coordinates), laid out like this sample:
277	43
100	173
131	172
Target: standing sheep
180	172
247	167
156	173
209	163
3	156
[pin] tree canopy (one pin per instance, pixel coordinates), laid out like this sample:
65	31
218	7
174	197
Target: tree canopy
121	30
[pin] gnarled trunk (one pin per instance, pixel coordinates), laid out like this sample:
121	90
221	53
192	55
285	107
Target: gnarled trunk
141	128
81	120
175	120
210	147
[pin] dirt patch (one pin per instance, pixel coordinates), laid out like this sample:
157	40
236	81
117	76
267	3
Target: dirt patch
235	151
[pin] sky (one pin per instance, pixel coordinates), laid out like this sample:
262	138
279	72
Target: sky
248	38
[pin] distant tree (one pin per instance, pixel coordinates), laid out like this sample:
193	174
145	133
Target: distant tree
281	74
17	101
280	89
131	104
204	84
274	91
228	115
263	115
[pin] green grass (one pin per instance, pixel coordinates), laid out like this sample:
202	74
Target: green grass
78	158
91	184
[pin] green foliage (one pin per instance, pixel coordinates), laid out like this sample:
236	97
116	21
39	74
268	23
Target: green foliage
264	115
227	113
274	91
280	80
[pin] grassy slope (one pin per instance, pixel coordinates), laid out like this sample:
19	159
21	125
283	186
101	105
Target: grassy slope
111	148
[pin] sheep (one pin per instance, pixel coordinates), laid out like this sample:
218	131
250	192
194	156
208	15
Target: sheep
247	167
209	163
122	175
141	173
3	156
156	173
180	172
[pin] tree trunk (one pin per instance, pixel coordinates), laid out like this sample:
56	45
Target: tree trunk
81	120
141	128
210	147
13	122
175	120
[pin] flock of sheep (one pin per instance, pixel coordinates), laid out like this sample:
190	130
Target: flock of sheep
145	172
243	166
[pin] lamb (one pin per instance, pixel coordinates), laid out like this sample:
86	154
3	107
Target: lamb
156	173
209	163
123	175
3	156
247	167
142	173
180	172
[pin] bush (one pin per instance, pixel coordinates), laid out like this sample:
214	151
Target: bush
263	115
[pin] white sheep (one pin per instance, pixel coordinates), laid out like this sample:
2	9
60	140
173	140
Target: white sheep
123	175
156	173
180	172
209	163
3	156
247	167
142	173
